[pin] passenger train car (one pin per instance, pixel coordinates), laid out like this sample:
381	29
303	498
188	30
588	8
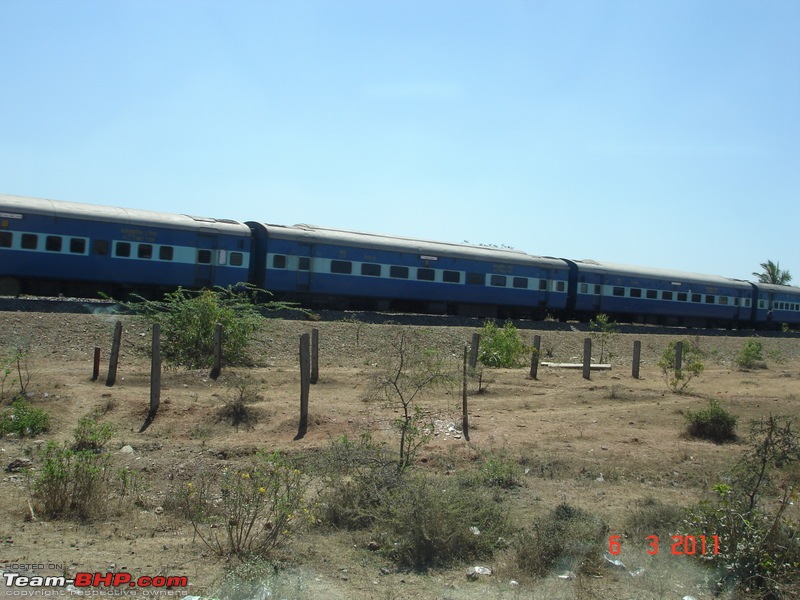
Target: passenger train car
49	247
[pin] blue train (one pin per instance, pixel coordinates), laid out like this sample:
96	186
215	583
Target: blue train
51	247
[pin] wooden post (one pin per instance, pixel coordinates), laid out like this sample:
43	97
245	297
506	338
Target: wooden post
155	377
637	353
314	356
464	410
217	368
111	378
587	358
678	358
96	368
537	346
305	368
473	354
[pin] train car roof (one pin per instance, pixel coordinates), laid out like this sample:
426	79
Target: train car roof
778	289
93	212
605	268
391	243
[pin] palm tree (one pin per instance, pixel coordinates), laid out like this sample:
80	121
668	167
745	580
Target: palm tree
772	274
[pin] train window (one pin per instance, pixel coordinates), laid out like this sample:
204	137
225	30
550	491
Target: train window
343	267
666	295
52	243
521	283
451	276
398	272
652	294
279	261
123	249
543	284
710	299
204	257
145	251
598	289
697	297
237	259
498	280
304	264
762	304
736	301
560	286
682	297
619	291
30	241
371	269
636	292
100	248
475	279
584	288
5	239
426	274
166	253
747	302
723	299
77	245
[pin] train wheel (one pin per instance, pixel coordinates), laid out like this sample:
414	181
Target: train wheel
10	286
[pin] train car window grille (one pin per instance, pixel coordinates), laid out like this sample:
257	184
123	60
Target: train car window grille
747	302
736	301
636	292
619	291
237	259
652	294
371	269
166	253
204	257
584	288
52	243
77	246
498	280
451	276
598	289
304	264
666	295
710	299
696	297
723	300
398	272
279	261
100	247
122	249
683	297
475	279
342	267
521	283
561	286
6	239
426	275
144	251
30	241
543	285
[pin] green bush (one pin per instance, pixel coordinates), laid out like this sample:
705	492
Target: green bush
431	522
713	423
71	483
654	517
24	420
691	365
751	356
565	539
500	470
501	347
91	435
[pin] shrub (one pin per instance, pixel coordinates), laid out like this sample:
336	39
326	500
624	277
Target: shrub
604	331
499	470
91	435
501	347
713	423
654	517
751	356
237	410
247	513
14	373
24	420
691	365
565	539
433	522
71	483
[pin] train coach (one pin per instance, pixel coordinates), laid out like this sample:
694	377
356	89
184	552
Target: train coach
339	268
49	247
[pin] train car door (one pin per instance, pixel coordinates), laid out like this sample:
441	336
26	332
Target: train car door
305	254
204	266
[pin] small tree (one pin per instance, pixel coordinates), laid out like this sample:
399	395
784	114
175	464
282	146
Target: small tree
692	365
772	273
501	347
604	330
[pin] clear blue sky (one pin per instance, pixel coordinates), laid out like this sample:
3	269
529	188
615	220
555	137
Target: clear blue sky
663	133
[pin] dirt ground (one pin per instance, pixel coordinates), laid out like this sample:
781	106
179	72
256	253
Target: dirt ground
603	445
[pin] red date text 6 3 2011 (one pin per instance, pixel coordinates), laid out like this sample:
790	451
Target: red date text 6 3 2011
690	545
